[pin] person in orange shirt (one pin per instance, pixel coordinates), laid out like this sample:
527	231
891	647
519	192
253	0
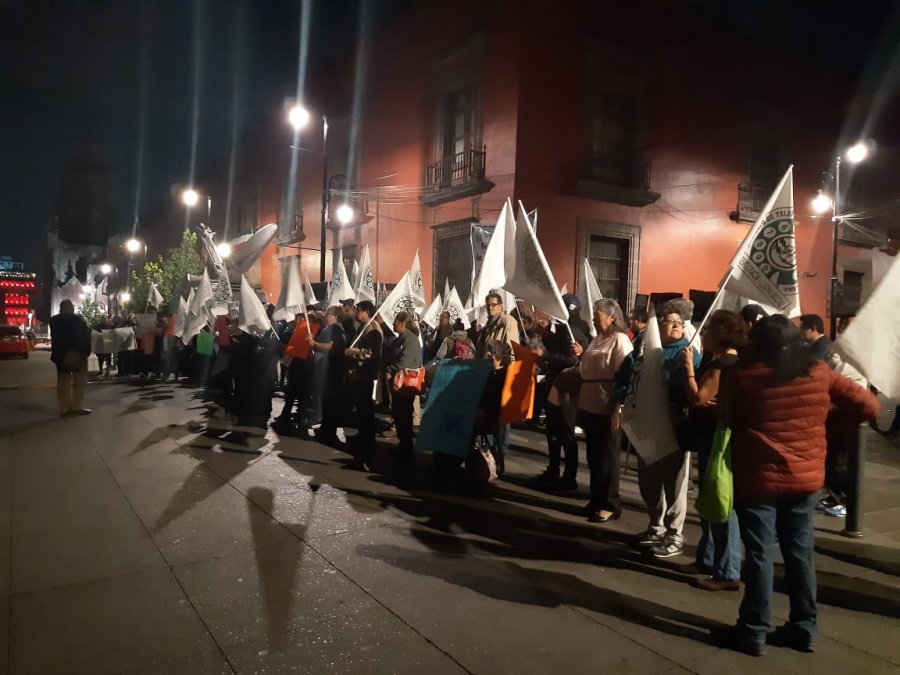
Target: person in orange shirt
299	372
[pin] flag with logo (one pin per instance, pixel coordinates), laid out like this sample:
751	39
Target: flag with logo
252	318
365	287
871	343
340	283
531	278
221	294
432	315
291	301
417	285
354	273
181	317
401	299
446	287
764	269
645	413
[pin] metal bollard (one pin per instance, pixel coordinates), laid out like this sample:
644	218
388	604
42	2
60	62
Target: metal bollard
853	523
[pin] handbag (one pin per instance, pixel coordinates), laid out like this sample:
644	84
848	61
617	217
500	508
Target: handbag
409	380
715	499
569	381
481	465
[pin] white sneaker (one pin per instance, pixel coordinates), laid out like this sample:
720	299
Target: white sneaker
651	538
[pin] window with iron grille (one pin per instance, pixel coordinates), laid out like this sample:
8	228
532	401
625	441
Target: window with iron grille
852	287
458	122
608	258
453	257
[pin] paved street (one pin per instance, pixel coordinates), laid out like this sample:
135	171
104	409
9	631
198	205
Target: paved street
151	537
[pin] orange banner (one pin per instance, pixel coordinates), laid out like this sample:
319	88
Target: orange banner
298	347
517	402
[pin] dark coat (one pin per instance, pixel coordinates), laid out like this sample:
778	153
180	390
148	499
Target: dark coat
405	352
70	343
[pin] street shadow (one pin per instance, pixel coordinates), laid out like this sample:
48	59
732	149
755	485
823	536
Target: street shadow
156	436
543	588
24	427
277	566
136	407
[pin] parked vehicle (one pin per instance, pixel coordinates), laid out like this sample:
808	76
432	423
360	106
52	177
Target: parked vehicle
13	342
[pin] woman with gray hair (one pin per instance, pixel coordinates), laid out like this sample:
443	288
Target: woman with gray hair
598	366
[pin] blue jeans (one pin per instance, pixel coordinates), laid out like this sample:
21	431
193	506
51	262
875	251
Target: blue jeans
719	548
792	521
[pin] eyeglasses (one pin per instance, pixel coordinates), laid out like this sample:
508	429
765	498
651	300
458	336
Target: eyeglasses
672	322
493	304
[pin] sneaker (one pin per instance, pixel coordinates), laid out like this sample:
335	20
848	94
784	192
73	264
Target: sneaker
668	549
736	639
651	538
791	637
838	511
826	503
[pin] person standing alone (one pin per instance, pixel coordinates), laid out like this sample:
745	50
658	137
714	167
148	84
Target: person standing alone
70	348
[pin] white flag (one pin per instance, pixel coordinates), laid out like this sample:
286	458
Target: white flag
291	301
340	284
155	298
221	294
764	269
645	414
454	306
591	294
199	313
418	287
310	296
564	289
354	273
365	287
499	262
252	318
446	287
871	343
401	299
532	279
181	317
432	315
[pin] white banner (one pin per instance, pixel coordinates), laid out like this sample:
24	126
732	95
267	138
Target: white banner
340	283
112	341
291	301
417	285
365	287
252	317
454	306
432	315
401	299
480	238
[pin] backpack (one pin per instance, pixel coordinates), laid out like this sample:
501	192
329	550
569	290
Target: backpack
463	349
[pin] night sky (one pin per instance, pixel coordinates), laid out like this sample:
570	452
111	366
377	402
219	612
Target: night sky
71	72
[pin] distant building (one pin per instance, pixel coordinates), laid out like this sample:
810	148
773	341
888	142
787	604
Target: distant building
17	289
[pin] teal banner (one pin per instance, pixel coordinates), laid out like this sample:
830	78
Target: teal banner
447	420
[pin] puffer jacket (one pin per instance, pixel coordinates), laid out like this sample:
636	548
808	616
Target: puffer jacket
778	431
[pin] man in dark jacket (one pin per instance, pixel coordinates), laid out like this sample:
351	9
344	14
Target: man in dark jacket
813	329
70	348
363	363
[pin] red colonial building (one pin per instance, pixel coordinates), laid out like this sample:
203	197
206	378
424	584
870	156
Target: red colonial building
647	136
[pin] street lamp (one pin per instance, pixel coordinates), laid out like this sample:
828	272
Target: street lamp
299	117
822	203
105	268
133	245
191	198
224	249
345	214
126	296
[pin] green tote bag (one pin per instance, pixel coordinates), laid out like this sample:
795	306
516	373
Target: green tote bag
715	500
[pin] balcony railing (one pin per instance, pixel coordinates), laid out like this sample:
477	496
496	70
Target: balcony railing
455	171
629	171
752	197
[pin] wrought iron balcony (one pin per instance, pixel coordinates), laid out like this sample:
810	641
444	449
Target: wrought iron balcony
752	198
622	179
290	231
454	177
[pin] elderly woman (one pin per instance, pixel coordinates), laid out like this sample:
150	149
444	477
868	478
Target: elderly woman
778	400
598	366
405	352
719	548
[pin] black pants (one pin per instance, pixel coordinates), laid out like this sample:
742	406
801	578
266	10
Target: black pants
603	461
332	406
402	412
360	394
541	392
561	436
298	376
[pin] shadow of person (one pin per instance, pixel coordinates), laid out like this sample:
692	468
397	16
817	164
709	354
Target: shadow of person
277	566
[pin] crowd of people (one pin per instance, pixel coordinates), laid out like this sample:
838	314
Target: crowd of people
791	404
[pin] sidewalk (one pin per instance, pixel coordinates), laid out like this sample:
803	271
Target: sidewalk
151	537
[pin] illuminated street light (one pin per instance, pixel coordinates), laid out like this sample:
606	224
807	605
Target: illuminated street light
224	249
857	153
126	296
344	214
190	197
133	245
105	268
298	116
821	203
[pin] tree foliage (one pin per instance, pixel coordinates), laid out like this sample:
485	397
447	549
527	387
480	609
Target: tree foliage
92	312
169	273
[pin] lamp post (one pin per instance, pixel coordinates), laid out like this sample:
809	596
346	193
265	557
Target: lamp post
298	116
821	204
191	198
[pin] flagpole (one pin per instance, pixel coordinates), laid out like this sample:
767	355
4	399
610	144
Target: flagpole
712	305
359	335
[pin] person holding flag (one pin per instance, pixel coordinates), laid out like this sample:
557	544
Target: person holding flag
363	363
500	327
